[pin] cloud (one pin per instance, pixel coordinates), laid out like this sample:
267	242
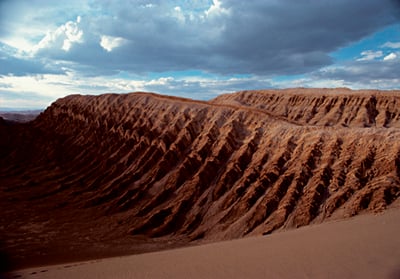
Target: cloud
32	19
205	88
63	38
222	37
85	45
362	74
370	55
280	36
109	42
14	64
216	9
44	89
391	45
23	100
390	56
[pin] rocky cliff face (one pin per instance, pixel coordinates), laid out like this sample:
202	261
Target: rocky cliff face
242	164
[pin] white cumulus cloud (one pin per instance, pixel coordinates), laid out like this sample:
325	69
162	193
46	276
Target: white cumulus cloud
109	42
216	9
62	38
390	56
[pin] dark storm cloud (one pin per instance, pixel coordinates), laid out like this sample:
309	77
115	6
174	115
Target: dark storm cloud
286	37
259	37
233	37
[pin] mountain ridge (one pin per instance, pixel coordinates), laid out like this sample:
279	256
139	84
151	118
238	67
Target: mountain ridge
174	169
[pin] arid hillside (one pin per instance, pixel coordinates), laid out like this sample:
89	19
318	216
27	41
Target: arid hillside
324	107
103	172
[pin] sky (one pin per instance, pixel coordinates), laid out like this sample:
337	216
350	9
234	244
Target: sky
196	49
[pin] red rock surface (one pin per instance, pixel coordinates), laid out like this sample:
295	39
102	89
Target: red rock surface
101	175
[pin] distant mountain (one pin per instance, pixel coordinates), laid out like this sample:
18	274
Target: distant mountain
111	174
19	115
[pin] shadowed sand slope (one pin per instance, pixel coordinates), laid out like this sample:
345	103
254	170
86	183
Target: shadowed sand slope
118	170
363	247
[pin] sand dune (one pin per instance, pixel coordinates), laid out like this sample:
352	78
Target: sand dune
364	247
97	176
